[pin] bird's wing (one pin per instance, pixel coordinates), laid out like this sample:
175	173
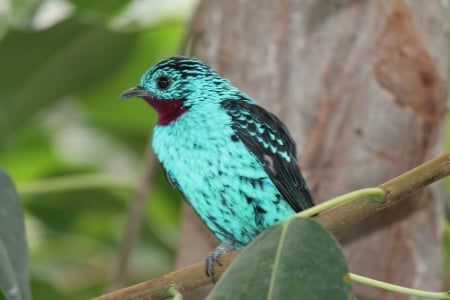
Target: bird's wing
269	140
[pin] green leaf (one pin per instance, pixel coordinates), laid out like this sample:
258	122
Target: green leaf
104	8
14	281
297	259
43	66
22	11
129	121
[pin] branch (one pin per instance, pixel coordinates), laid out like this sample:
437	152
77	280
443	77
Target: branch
134	220
335	219
396	189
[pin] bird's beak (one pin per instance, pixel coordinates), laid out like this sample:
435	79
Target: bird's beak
137	91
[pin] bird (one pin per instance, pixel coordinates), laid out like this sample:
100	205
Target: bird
232	160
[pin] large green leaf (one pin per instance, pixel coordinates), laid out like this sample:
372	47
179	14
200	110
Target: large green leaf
14	280
39	68
129	121
21	12
297	259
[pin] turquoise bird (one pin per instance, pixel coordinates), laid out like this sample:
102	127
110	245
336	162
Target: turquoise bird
233	161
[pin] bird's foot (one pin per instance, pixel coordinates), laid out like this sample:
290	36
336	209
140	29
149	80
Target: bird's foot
214	258
211	260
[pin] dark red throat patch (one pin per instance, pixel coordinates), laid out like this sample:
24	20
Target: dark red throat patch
168	110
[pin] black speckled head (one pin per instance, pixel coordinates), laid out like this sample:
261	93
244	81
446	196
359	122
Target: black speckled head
175	84
188	79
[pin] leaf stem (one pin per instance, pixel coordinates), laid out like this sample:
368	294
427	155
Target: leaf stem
398	289
175	293
375	193
76	182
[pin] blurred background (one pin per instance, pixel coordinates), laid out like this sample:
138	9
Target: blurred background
63	66
74	150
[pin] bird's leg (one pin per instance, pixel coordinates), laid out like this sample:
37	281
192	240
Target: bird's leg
214	257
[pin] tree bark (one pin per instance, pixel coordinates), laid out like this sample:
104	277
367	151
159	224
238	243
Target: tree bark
359	84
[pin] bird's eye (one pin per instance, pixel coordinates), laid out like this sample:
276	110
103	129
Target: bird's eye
163	82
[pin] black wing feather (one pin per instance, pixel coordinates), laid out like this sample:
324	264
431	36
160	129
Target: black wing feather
269	140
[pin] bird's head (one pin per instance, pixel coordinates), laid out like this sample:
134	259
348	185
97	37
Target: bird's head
176	84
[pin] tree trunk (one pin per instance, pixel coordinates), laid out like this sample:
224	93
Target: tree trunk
359	84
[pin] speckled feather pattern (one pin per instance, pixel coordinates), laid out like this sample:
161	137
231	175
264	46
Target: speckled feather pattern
224	182
233	161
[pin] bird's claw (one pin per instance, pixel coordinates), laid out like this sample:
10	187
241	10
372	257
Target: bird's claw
212	259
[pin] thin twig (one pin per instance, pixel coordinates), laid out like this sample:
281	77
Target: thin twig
134	220
335	219
398	289
75	182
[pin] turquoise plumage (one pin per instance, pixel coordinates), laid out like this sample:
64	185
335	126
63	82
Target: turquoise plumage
234	162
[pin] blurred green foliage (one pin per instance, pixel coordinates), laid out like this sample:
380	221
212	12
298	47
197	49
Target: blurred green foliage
60	118
14	275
